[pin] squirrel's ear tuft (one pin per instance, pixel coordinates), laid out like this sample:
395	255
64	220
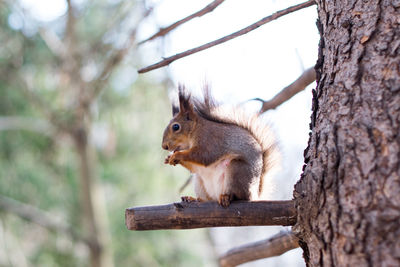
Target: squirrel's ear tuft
175	110
185	104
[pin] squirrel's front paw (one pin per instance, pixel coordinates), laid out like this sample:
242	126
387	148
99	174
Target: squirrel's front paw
166	160
171	159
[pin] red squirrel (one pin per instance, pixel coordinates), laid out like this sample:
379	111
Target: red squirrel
228	155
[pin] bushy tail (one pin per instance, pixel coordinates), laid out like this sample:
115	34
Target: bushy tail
264	136
210	110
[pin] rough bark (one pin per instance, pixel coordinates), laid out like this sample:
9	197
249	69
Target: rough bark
348	197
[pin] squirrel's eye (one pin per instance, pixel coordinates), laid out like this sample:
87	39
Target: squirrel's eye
175	127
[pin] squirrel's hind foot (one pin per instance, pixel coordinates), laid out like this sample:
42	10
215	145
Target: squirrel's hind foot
190	199
224	200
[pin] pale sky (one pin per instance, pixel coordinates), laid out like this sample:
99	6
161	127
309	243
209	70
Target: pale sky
45	10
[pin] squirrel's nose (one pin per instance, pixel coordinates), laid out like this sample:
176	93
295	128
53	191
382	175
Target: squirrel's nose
165	146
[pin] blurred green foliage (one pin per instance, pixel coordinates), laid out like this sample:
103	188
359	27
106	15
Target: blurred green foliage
42	170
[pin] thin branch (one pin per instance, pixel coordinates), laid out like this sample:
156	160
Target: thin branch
297	86
70	61
164	31
53	42
44	107
70	33
22	123
42	218
271	247
191	215
120	13
111	64
241	32
115	59
24	86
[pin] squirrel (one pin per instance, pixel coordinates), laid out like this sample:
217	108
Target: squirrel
227	155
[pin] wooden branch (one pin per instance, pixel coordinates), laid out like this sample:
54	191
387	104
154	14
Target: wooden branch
184	215
297	86
241	32
164	31
271	247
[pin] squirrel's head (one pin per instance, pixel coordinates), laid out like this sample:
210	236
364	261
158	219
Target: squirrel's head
179	132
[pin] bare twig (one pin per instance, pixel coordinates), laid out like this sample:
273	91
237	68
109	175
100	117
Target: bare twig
164	31
30	124
111	64
42	106
23	84
122	10
241	32
115	59
70	40
298	85
191	215
70	28
53	42
42	218
274	246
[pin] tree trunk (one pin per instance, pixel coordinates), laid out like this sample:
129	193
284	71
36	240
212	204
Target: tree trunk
92	203
348	197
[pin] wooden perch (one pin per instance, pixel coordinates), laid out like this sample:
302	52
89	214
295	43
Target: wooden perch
271	247
224	39
184	215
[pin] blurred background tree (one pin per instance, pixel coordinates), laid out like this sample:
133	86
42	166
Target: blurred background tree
80	141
